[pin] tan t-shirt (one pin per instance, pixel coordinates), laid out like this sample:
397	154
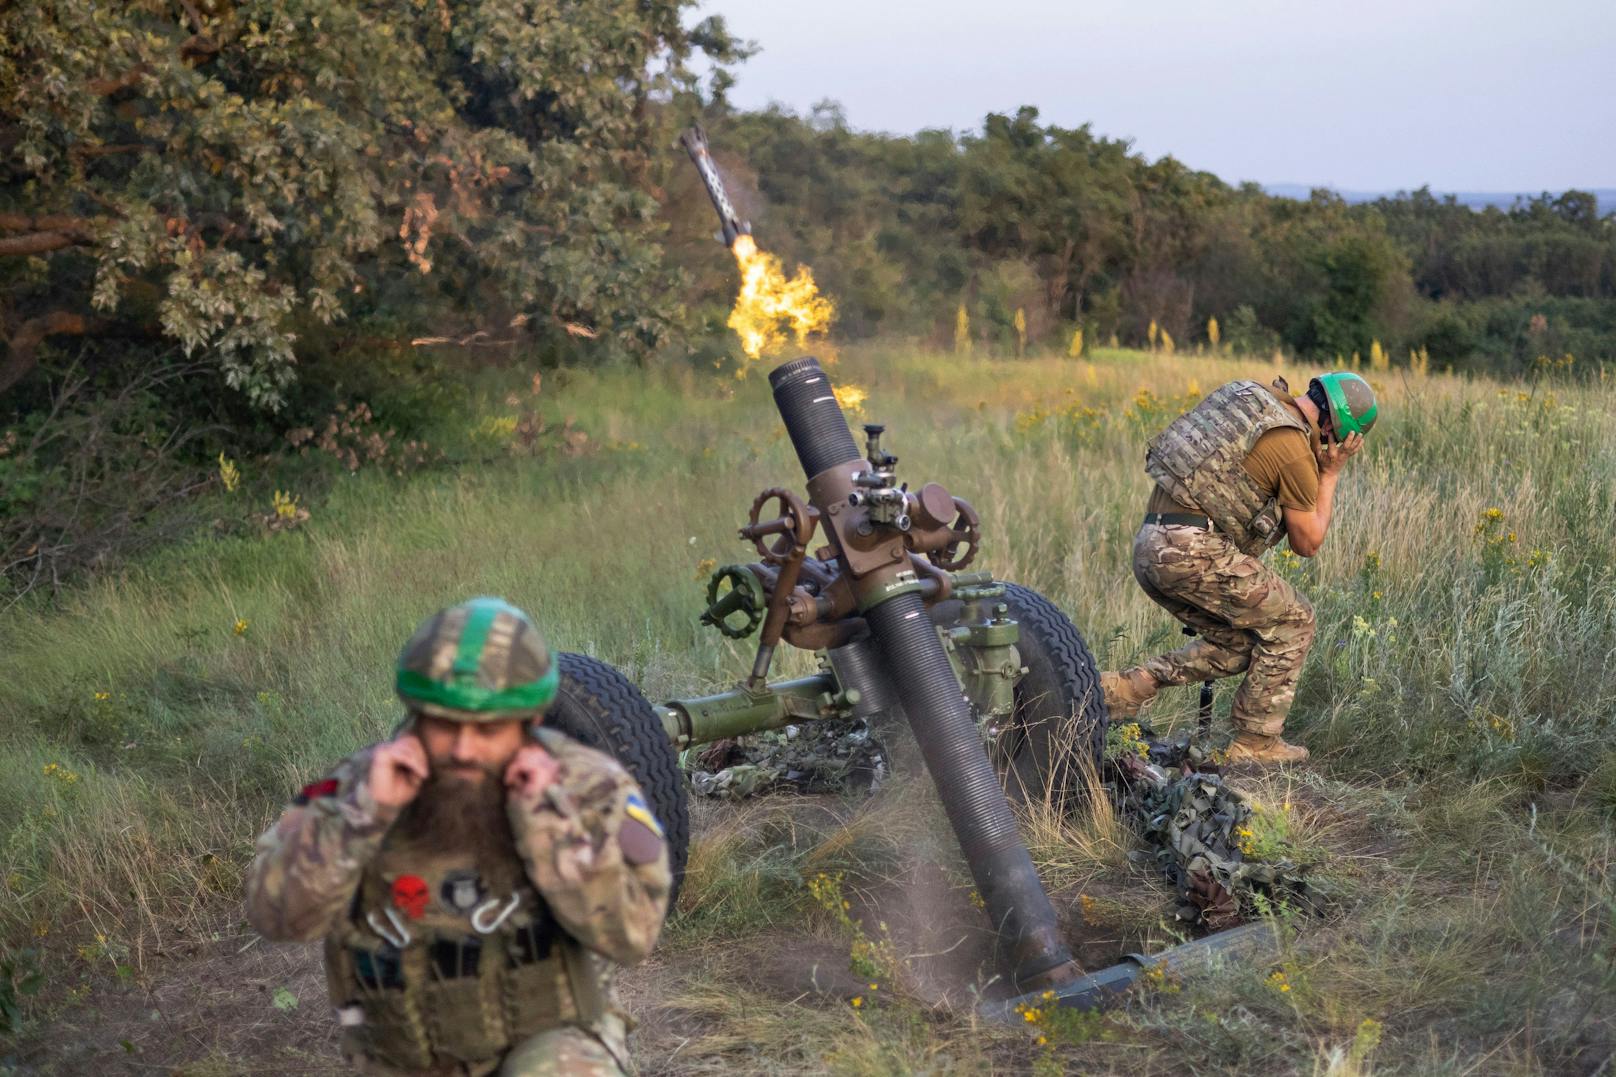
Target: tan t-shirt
1283	464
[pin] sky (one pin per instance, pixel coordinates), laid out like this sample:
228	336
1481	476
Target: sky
1482	95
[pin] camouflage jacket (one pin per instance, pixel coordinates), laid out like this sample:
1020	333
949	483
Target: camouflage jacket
588	843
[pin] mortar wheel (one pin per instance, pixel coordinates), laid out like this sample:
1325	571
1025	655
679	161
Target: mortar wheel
598	706
1055	742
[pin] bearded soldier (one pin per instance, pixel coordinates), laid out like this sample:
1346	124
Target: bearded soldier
1246	467
477	878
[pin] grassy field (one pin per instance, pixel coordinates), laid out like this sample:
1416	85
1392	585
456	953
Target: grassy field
1459	701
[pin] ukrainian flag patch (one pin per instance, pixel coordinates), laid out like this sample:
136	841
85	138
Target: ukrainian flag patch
635	808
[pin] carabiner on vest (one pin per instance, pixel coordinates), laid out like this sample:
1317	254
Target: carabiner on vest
480	913
401	939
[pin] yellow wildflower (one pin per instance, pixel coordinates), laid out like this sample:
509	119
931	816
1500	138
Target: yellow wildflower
229	473
240	627
60	773
858	1000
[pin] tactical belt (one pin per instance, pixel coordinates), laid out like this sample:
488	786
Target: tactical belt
1179	519
381	970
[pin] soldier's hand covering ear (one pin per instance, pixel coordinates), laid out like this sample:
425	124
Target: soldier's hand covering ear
1333	455
532	771
397	770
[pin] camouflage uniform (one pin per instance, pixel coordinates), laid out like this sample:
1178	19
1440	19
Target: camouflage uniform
443	962
1249	619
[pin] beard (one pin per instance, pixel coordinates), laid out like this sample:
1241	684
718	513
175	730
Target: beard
457	813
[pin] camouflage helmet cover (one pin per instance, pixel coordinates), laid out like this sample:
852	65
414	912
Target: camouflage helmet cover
1353	409
480	661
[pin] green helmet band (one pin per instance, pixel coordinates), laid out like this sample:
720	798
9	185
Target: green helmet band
1341	416
465	694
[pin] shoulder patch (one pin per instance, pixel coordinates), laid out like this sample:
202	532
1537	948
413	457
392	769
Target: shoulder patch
635	808
638	842
315	790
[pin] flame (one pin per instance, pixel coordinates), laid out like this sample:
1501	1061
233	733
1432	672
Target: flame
851	397
769	305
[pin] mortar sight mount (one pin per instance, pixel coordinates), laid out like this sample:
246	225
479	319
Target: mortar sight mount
811	602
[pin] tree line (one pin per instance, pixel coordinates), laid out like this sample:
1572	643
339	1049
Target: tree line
1076	230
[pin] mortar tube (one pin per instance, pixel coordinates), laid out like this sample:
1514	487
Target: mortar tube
1030	945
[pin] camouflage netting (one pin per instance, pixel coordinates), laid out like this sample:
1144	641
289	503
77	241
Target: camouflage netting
816	757
1195	826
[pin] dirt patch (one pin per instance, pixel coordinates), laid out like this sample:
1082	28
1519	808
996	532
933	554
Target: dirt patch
210	1011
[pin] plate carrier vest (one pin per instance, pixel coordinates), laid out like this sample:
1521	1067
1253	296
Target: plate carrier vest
1199	461
445	960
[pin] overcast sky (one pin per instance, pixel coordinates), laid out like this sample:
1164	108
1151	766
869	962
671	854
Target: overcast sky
1479	95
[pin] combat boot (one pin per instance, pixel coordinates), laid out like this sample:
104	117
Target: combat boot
1127	692
1265	751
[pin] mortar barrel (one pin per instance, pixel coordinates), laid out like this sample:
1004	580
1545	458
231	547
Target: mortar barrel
917	667
813	419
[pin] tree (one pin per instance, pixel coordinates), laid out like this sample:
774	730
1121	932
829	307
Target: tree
221	173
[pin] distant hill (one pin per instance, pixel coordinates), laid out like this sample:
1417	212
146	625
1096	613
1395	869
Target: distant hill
1473	199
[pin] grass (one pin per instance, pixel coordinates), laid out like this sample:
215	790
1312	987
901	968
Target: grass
1459	700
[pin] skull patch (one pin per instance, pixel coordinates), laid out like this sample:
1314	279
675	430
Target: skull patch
410	895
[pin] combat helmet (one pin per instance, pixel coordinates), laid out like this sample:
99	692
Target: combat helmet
1351	402
480	661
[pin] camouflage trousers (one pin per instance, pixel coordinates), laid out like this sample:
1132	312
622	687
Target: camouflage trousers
1249	620
558	1052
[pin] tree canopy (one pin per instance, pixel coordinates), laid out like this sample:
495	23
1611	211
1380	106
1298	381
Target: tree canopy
223	173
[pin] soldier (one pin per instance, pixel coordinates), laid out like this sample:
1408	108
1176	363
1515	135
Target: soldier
477	878
1243	469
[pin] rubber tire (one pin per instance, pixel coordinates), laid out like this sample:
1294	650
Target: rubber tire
599	707
1060	711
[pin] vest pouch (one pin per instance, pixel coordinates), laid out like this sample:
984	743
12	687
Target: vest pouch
537	995
465	1017
393	1032
1267	527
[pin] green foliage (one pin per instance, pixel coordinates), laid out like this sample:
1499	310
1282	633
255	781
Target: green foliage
228	175
20	978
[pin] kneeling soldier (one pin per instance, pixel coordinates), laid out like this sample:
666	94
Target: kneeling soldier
478	878
1245	468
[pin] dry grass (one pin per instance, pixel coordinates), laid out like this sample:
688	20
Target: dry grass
1460	701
